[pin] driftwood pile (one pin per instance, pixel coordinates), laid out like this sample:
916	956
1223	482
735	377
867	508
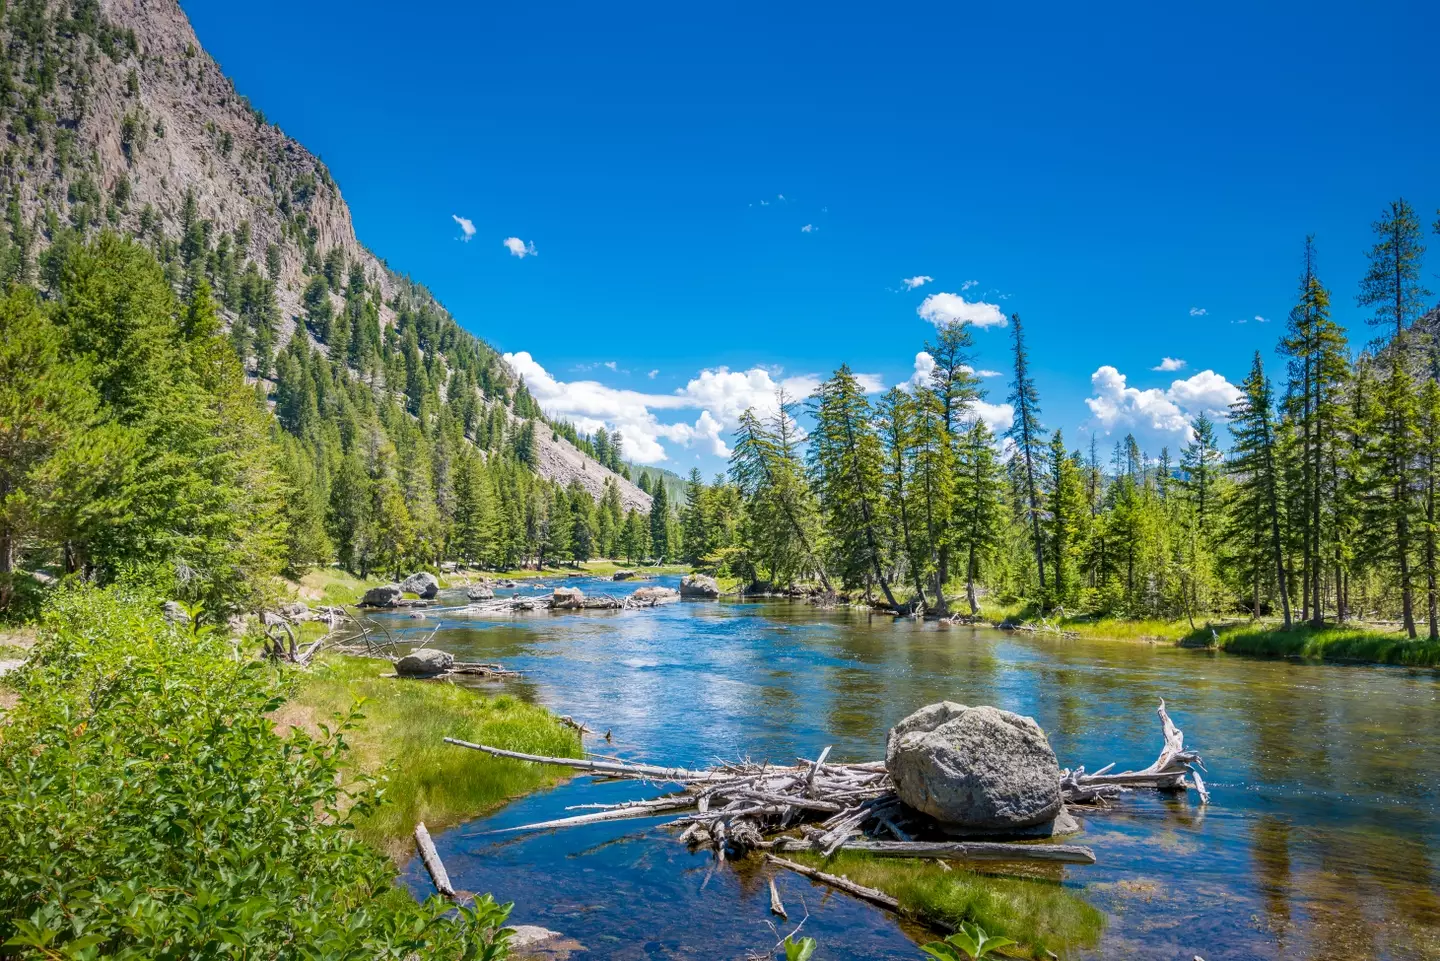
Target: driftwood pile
826	807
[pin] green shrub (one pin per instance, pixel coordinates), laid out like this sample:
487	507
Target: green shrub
149	809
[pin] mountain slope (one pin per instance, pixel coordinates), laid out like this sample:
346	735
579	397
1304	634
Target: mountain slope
116	117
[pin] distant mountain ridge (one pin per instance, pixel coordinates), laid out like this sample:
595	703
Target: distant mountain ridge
115	117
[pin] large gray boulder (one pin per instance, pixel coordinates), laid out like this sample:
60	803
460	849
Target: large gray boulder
567	599
654	596
421	582
976	767
480	592
426	662
699	585
622	575
387	595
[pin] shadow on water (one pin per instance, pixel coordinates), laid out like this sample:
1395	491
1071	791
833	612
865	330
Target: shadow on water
1321	839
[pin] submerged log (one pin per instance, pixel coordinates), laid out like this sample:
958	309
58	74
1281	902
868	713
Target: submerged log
835	881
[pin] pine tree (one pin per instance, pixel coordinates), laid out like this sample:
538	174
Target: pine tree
1029	440
977	504
1392	284
844	461
1200	462
1258	494
1066	508
660	522
895	421
694	519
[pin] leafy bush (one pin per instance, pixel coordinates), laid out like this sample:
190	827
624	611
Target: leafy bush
149	809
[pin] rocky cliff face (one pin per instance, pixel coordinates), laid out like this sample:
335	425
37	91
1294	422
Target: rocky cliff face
115	117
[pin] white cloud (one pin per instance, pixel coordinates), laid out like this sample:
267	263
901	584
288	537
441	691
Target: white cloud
1261	320
985	373
943	308
1198	311
808	229
653	374
720	395
870	383
968	284
519	247
1168	364
467	226
1155	415
919	280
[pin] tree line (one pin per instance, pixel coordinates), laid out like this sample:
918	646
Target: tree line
1322	507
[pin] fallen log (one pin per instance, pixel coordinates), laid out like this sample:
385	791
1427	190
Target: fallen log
647	772
433	864
953	850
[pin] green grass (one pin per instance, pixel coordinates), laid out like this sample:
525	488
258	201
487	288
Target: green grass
1040	915
1091	625
333	585
1332	643
402	735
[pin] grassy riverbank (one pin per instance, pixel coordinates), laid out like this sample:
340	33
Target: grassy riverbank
1348	644
401	739
1351	643
1040	915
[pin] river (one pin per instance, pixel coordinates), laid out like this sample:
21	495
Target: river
1320	840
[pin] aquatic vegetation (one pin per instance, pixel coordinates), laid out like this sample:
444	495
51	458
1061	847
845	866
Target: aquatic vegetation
972	939
1040	915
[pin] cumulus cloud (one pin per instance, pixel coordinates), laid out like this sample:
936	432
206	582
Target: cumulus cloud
467	226
944	308
1156	415
1198	311
919	280
1168	364
518	247
720	395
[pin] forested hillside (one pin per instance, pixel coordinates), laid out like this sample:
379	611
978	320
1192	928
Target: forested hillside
402	440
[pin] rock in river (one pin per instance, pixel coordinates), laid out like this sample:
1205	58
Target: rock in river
977	767
480	592
426	662
699	585
421	582
567	599
654	596
387	595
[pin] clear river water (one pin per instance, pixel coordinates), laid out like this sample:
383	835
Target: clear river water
1320	840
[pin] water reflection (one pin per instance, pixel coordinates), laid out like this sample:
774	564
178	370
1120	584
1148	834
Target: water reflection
1321	839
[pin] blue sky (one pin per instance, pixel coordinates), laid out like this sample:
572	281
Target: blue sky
1106	171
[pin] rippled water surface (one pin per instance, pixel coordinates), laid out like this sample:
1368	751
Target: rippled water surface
1320	841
